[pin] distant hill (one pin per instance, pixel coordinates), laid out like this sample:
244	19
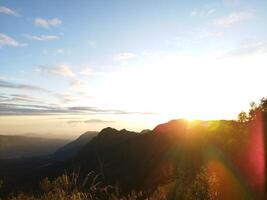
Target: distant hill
69	137
15	146
73	147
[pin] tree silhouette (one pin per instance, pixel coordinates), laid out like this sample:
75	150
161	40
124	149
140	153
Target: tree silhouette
242	117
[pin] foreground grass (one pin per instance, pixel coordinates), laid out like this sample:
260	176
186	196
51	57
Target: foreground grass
72	187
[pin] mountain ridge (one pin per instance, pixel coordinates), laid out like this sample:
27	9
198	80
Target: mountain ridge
15	146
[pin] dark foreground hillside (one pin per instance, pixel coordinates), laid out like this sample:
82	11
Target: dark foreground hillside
176	160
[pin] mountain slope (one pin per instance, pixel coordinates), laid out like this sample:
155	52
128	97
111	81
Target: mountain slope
14	146
73	147
118	154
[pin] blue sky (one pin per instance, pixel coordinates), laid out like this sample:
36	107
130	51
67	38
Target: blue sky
84	65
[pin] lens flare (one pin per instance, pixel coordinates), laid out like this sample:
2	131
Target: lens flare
254	168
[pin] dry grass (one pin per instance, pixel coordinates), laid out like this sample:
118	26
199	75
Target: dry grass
72	187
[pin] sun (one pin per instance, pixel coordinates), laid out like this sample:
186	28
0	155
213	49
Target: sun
190	120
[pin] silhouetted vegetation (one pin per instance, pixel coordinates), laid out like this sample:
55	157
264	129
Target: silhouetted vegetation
71	186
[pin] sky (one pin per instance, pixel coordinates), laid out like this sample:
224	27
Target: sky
67	67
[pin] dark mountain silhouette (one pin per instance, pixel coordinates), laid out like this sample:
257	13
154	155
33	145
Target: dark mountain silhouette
172	127
149	158
129	159
73	147
143	161
14	146
145	131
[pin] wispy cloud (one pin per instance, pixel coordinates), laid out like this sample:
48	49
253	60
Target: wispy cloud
233	18
98	121
210	34
8	11
202	13
2	77
86	71
17	98
6	40
77	83
28	109
47	23
67	98
231	1
10	85
24	104
34	109
61	70
247	48
62	97
59	51
55	52
42	37
86	109
23	98
124	56
90	121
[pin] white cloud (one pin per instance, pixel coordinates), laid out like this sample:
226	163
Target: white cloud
47	23
54	52
230	1
247	48
194	13
42	37
210	11
9	41
124	56
210	34
2	77
8	11
89	121
87	71
233	18
202	13
61	70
